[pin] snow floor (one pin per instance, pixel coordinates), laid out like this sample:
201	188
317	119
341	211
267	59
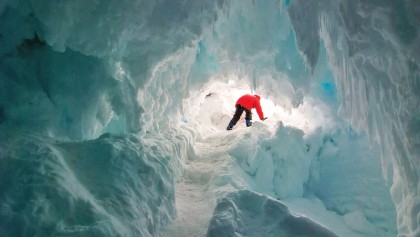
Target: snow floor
203	181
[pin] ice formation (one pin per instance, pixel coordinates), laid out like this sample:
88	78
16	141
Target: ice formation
249	214
113	117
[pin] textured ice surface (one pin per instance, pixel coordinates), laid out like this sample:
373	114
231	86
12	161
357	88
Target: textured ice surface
357	186
245	213
333	169
279	165
110	186
372	52
141	70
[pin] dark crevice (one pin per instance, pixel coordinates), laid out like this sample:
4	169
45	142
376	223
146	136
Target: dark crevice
33	43
2	117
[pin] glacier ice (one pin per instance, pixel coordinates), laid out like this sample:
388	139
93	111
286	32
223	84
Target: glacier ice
108	109
104	187
372	57
245	213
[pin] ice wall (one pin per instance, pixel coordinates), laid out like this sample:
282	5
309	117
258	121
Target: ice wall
372	52
84	62
70	72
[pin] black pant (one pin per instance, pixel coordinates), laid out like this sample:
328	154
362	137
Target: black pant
238	114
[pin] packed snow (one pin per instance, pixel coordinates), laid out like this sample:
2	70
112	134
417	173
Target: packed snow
113	118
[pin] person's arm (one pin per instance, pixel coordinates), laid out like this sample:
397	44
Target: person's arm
259	110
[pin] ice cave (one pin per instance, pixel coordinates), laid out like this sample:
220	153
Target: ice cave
113	118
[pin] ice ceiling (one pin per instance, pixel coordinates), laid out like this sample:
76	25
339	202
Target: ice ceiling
103	103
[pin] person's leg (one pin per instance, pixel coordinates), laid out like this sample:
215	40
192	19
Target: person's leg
236	116
248	114
248	117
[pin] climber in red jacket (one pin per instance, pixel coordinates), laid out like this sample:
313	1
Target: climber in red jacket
246	102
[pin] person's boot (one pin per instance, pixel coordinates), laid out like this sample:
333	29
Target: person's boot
248	123
230	126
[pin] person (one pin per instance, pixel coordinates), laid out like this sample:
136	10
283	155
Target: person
246	103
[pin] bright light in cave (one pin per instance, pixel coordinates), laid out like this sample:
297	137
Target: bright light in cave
213	107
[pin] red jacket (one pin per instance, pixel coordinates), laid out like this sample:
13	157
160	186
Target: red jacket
250	102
